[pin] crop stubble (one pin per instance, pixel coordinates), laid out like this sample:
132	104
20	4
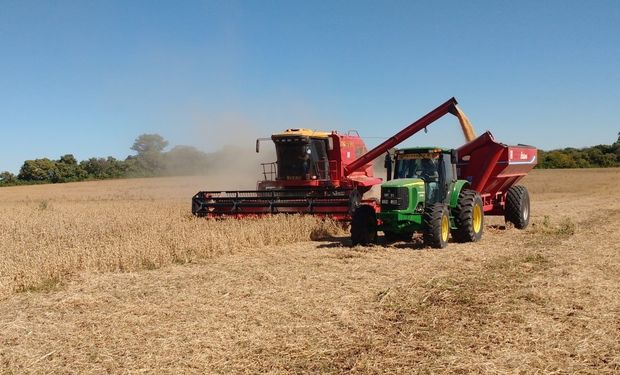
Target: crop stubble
252	297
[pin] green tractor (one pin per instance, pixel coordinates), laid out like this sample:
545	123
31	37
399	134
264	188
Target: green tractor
425	197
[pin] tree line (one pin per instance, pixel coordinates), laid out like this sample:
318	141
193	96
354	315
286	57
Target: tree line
601	156
150	160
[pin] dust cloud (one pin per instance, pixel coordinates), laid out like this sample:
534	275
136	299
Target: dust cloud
233	163
236	167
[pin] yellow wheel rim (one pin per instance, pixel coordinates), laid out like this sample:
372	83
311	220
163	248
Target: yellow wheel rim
477	218
445	228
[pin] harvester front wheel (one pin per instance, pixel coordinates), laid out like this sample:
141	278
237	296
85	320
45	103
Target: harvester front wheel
436	226
468	217
364	226
517	210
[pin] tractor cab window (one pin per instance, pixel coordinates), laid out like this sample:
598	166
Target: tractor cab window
446	172
445	178
424	168
429	170
405	169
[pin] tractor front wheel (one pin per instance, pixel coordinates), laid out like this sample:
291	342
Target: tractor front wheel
468	217
364	226
517	210
436	226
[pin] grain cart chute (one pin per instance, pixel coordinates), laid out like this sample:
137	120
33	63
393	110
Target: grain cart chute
438	192
317	173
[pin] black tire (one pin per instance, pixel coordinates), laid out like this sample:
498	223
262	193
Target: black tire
364	226
436	226
390	237
517	210
468	217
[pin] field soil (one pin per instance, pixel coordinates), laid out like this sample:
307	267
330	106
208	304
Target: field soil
118	277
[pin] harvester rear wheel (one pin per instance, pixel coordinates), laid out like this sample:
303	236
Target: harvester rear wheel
468	217
364	226
436	226
517	210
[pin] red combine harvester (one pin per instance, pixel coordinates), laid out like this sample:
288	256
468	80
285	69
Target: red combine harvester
327	173
308	177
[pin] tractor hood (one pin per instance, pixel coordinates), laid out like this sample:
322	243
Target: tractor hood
404	182
402	195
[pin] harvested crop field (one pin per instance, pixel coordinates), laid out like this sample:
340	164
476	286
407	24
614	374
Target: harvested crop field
118	277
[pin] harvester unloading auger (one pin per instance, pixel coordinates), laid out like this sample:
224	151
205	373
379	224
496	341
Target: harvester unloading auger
327	174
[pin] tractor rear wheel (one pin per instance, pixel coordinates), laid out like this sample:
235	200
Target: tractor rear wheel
436	226
517	210
364	226
468	217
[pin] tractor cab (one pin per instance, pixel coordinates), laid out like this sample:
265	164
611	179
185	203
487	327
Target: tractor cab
301	155
434	166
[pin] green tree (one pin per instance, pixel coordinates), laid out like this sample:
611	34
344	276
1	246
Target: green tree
7	177
149	143
559	159
150	160
102	168
68	169
38	170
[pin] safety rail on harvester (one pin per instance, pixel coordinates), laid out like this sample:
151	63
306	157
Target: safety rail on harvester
326	170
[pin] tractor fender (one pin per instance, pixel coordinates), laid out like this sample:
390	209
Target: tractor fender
459	185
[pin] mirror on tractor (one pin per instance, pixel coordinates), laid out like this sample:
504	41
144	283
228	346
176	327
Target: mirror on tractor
388	165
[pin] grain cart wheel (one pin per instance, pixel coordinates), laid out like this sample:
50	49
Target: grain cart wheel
517	210
468	217
364	226
436	223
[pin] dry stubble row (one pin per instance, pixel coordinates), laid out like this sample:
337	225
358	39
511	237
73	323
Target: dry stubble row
44	243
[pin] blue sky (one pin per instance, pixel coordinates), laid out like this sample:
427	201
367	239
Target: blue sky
87	77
